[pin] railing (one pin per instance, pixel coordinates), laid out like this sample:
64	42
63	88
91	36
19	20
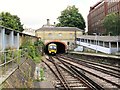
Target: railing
9	60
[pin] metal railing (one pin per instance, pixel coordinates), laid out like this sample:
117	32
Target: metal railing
9	60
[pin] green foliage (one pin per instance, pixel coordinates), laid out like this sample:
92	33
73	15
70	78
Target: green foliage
41	74
112	24
39	43
10	21
70	17
2	58
10	54
1	86
33	51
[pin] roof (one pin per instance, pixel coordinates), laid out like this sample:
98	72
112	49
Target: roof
15	31
60	29
102	38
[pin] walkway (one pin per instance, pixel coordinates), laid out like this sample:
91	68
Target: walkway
97	54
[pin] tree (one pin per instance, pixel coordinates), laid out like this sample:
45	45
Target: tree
70	17
112	24
10	21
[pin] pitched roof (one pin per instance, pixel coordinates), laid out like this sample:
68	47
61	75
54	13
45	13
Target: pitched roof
59	29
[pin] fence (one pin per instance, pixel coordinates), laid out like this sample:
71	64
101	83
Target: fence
9	60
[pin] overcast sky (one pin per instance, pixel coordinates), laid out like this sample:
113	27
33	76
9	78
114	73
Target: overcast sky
33	13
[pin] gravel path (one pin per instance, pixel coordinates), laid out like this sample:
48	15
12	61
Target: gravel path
49	79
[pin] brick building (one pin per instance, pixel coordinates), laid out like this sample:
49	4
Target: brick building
98	12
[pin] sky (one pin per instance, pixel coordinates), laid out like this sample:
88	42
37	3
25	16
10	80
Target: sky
34	13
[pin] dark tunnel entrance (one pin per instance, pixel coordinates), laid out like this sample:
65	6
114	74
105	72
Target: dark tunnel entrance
61	47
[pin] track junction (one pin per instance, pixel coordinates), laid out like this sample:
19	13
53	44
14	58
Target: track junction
74	73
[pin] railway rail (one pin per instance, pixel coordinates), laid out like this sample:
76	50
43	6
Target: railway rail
113	71
109	77
69	77
103	63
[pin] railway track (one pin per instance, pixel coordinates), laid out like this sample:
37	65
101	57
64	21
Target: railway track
108	76
113	67
113	71
69	78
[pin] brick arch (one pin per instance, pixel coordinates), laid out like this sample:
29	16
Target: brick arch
57	42
61	46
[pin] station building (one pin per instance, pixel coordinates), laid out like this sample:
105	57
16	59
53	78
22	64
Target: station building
64	37
98	12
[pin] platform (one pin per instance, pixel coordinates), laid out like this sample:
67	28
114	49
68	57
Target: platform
96	54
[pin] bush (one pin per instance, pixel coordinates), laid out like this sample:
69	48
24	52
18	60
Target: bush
32	50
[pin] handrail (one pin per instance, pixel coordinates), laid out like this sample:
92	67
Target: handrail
15	56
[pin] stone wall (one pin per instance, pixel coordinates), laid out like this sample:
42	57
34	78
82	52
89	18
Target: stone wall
21	77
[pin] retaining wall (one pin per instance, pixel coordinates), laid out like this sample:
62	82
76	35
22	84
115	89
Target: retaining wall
21	77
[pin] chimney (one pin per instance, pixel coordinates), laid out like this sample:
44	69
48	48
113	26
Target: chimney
54	23
48	22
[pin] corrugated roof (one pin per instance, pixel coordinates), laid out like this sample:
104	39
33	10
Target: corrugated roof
60	28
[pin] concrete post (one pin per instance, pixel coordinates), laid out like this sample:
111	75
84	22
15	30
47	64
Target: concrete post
110	46
90	41
12	39
79	41
3	38
98	43
117	46
18	40
103	44
87	40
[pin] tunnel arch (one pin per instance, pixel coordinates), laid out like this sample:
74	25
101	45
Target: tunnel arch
61	47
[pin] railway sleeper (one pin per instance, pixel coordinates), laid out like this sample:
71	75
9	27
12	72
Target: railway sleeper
79	86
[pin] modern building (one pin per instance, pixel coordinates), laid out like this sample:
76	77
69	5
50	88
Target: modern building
98	12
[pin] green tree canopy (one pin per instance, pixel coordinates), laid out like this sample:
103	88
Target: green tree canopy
10	21
112	24
70	17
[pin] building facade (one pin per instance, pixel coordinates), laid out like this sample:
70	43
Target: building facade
65	35
29	31
98	12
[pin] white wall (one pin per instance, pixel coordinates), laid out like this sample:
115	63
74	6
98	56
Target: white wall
95	47
113	50
15	42
7	41
11	40
98	48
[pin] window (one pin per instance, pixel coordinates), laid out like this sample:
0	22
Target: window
60	34
50	34
71	35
